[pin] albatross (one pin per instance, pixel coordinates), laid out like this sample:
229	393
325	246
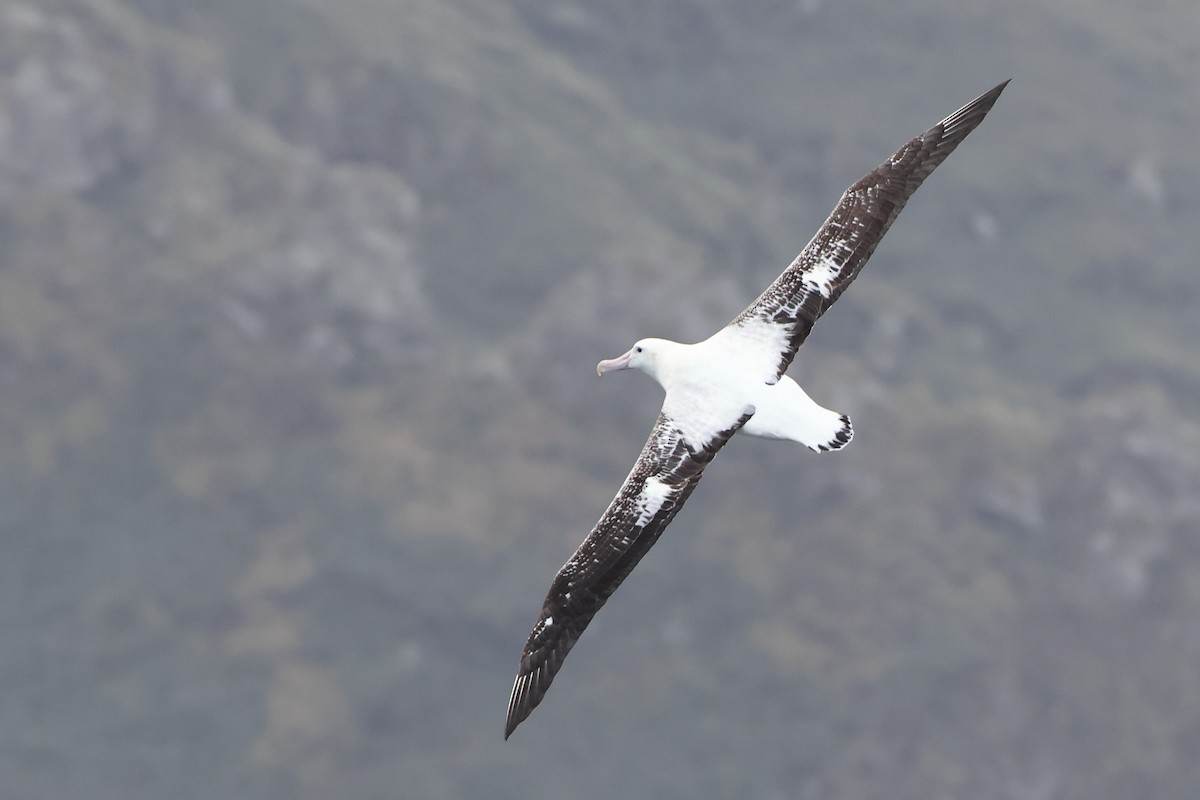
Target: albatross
733	381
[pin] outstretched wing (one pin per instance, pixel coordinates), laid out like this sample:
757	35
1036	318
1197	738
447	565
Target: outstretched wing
663	477
776	324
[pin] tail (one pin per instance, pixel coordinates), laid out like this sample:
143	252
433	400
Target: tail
831	433
785	411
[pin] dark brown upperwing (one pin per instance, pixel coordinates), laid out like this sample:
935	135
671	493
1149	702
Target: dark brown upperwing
840	249
662	478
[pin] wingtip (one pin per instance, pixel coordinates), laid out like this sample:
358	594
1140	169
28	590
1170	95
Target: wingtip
510	725
521	701
989	97
958	125
512	719
998	88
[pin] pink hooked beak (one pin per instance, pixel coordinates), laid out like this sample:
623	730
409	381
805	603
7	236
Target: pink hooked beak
612	364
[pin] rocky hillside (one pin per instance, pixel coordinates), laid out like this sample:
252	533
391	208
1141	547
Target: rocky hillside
298	311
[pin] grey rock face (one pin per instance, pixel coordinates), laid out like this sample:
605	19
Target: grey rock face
340	279
66	121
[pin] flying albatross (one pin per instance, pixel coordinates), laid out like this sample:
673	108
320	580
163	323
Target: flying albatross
733	381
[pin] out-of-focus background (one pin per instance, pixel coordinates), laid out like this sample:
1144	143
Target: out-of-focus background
299	307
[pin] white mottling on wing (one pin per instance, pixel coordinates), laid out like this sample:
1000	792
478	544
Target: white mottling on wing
549	621
821	275
654	493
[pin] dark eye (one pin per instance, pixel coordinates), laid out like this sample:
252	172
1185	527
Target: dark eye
637	349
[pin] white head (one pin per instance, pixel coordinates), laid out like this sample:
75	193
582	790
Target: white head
644	355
